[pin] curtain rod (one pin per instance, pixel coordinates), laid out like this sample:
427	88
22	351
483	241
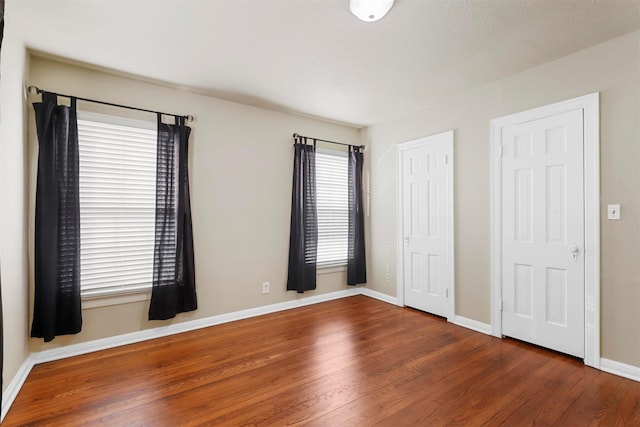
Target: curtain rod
295	135
38	91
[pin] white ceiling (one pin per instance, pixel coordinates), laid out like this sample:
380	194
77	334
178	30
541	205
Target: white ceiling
312	56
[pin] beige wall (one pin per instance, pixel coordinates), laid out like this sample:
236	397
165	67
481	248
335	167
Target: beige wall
613	69
240	175
240	170
13	204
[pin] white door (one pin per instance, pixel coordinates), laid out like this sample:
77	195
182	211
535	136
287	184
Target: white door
543	232
427	225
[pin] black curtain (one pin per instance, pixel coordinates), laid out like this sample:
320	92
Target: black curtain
174	281
1	32
57	309
303	238
356	264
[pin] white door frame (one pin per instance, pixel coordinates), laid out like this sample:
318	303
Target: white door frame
590	105
400	215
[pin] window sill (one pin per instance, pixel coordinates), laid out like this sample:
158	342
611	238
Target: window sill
95	301
328	269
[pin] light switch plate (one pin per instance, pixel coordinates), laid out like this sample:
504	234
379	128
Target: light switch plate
613	212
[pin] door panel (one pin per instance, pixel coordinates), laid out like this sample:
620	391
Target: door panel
543	232
425	210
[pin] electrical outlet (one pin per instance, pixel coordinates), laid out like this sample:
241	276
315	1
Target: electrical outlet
266	287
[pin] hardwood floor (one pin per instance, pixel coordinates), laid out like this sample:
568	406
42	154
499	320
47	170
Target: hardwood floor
350	362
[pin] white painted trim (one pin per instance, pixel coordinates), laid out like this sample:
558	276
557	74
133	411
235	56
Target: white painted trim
592	230
330	269
379	296
399	224
15	385
591	110
620	369
495	226
106	300
102	344
176	328
451	227
613	367
449	136
474	325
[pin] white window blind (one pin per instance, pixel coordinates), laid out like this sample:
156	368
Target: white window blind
117	204
332	203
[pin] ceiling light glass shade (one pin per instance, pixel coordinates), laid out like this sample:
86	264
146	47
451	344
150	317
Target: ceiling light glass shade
370	10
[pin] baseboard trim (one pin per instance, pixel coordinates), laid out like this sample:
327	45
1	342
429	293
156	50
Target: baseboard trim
177	328
105	343
379	296
474	325
148	334
610	366
14	386
620	369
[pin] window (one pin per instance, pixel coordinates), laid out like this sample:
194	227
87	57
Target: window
332	202
117	204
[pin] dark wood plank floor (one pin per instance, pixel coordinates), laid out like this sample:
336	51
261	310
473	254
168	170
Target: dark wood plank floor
350	362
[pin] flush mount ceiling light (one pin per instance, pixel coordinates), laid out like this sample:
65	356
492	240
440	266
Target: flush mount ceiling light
370	10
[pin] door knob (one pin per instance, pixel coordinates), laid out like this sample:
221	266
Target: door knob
573	250
406	240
